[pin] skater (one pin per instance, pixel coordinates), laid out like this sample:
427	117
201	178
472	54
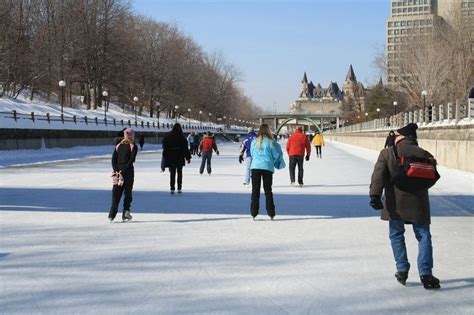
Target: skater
190	139
245	149
318	141
390	141
175	152
296	146
266	156
208	144
141	141
404	207
122	163
196	141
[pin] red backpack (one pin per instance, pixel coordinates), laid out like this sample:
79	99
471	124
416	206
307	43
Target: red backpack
413	173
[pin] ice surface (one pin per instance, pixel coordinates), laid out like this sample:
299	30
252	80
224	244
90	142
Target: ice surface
326	253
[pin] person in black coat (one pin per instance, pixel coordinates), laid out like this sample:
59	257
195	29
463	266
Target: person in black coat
122	163
390	141
175	153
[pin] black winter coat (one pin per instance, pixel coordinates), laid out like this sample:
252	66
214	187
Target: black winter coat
175	150
124	156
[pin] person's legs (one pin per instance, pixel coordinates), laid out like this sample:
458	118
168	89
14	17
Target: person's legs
128	187
318	151
116	196
209	157
267	187
292	167
425	248
300	169
203	162
255	200
180	177
397	239
248	161
172	177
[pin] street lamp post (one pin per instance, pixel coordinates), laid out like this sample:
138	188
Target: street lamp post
378	113
158	112
176	107
210	121
135	100
395	106
62	84
105	94
189	116
424	93
225	121
200	118
366	116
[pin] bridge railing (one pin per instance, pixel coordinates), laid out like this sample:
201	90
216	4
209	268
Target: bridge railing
458	113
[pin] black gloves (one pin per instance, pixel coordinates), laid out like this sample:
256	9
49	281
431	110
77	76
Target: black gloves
241	159
307	158
376	202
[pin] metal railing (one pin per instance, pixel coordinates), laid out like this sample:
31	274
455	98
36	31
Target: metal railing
433	116
104	122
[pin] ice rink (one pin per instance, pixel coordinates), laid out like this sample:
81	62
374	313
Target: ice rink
327	252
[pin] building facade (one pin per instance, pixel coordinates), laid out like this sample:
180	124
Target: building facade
412	18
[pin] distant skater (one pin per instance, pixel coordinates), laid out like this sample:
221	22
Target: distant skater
208	144
266	156
123	158
245	150
296	146
390	141
141	141
175	153
318	142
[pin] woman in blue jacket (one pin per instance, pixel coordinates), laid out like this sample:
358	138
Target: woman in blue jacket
266	156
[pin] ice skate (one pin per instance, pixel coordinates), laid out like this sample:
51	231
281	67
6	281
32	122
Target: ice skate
402	277
430	282
126	216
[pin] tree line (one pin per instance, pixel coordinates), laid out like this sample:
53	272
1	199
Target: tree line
102	45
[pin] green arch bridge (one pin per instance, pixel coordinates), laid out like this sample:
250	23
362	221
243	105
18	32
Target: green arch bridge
320	121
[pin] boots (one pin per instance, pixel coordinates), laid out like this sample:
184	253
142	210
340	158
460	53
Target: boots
402	277
430	282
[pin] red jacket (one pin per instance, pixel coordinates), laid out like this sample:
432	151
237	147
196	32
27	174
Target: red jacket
208	144
297	143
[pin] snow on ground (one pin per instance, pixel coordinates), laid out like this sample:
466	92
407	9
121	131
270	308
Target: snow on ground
326	253
24	106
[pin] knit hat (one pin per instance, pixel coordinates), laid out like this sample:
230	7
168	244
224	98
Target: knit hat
129	134
408	131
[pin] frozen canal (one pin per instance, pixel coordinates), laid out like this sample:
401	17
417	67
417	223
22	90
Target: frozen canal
327	252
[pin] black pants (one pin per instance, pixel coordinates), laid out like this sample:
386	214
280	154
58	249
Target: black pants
296	160
257	176
206	161
117	192
318	151
173	170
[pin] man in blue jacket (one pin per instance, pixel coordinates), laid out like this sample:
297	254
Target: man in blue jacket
245	149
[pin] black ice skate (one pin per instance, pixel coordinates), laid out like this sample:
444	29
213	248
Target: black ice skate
430	282
402	277
126	216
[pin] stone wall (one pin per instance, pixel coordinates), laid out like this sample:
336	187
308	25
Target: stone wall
452	146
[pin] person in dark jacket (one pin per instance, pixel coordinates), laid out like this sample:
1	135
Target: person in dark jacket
403	207
141	141
175	153
206	146
390	141
196	142
245	150
123	158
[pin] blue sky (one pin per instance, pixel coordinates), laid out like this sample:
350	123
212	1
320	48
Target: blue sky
274	42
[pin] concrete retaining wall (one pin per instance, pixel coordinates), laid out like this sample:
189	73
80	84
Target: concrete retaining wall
452	146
